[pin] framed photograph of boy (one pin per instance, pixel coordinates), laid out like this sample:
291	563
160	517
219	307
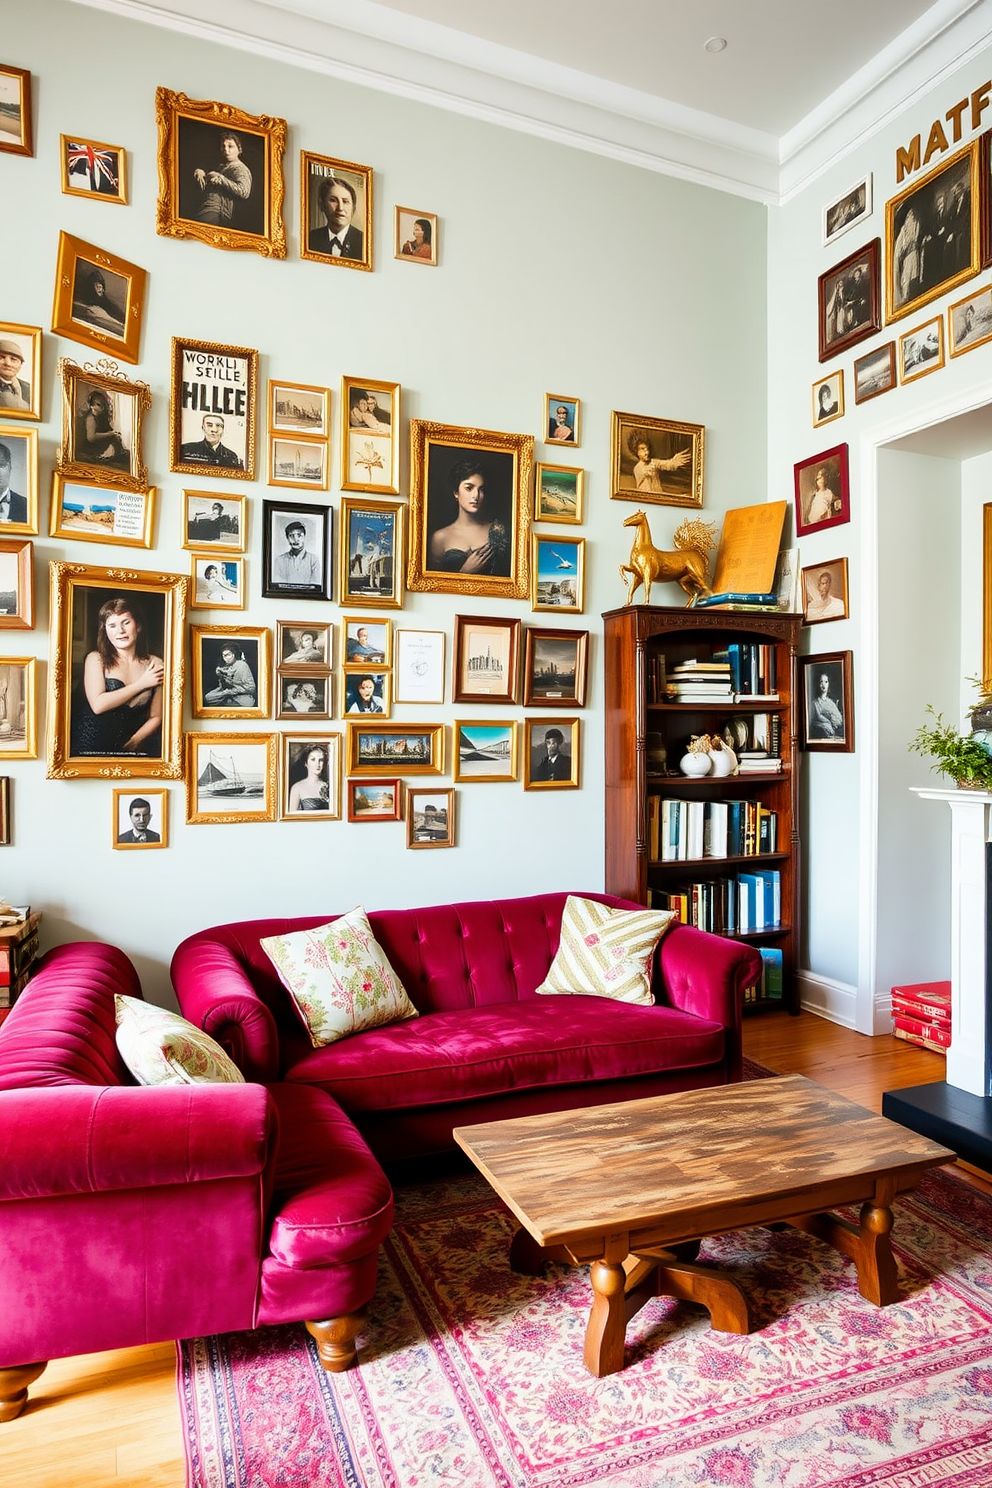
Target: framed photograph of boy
415	236
18	711
101	427
921	350
298	408
99	298
231	778
395	748
311	777
555	668
367	642
336	200
220	174
551	754
87	513
470	511
140	820
558	574
230	671
370	452
116	674
484	752
828	398
303	645
212	411
847	210
969	321
18	481
430	818
20	371
657	460
848	301
212	521
94	169
487	659
366	692
561	420
298	462
822	491
15	110
218	583
932	237
298	693
825	591
875	372
375	800
371	544
558	493
296	550
827	703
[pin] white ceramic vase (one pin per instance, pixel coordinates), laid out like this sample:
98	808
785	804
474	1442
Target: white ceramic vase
695	764
724	761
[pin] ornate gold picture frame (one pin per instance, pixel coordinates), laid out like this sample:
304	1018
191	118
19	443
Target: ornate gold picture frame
933	234
83	512
231	778
336	211
99	298
213	410
370	436
101	425
656	460
231	670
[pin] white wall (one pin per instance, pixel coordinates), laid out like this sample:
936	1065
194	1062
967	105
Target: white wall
661	311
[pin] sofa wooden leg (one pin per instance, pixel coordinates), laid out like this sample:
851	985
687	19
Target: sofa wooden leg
335	1339
14	1388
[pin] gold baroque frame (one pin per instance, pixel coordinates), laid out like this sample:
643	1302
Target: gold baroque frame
68	648
69	309
667	440
191	356
170	109
229	634
103	376
921	195
226	746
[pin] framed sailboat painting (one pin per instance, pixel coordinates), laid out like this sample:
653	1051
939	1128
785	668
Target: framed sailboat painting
231	777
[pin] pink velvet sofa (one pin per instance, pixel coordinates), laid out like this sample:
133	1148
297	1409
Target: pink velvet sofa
133	1215
484	1046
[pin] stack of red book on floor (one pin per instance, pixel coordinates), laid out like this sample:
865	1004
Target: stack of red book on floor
922	1014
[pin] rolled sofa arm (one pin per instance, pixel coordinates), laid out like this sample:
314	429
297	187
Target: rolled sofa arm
73	1139
215	993
706	975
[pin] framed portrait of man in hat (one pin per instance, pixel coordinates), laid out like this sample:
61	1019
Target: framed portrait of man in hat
20	371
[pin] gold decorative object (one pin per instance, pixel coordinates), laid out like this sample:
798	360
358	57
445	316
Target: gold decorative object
688	565
112	452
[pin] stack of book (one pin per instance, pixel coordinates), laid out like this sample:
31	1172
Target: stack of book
679	831
769	988
700	682
922	1014
18	950
745	904
729	599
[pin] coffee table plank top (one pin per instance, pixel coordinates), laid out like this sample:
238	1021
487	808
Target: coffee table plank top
695	1162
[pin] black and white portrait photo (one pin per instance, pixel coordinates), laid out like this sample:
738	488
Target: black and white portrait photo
337	212
828	703
230	672
296	556
214	521
140	818
304	645
221	175
551	753
848	301
308	694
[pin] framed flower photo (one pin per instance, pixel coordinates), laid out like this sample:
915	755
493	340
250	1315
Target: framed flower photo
88	513
822	491
296	551
298	462
370	421
15	110
140	821
311	777
18	709
303	692
212	412
214	521
415	236
395	748
656	460
99	298
558	493
218	583
231	778
484	752
336	200
555	668
298	408
371	546
20	370
486	659
18	481
301	645
101	425
430	818
375	800
558	572
551	754
93	169
230	671
561	420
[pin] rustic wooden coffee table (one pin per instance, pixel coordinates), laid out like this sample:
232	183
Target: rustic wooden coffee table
633	1188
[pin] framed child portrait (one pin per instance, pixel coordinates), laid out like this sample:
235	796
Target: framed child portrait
140	820
430	818
99	298
336	200
93	169
822	491
370	541
101	427
828	398
311	777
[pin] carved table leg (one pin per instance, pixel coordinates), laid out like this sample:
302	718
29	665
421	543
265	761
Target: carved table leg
867	1245
335	1338
607	1325
14	1383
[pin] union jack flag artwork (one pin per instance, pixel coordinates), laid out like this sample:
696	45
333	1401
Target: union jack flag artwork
98	167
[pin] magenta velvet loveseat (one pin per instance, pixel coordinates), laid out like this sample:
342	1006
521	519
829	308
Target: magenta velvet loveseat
133	1215
484	1046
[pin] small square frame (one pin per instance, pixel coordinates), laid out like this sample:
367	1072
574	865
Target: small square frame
297	658
104	165
534	743
377	655
82	316
18	79
479	675
231	580
836	570
370	438
204	667
554	422
296	749
838	667
849	307
316	522
310	688
558	493
836	491
375	578
20	739
408	748
921	350
125	518
392	808
875	373
418	802
299	409
28	338
22	444
557	649
225	753
552	588
484	752
382	691
314	171
202	528
405	245
828	398
156	795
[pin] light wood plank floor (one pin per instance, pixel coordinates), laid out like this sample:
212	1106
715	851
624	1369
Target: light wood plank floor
112	1420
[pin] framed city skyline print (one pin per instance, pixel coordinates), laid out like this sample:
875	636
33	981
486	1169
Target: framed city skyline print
826	711
561	420
430	818
15	110
299	408
848	301
395	748
83	512
822	491
231	778
296	550
486	659
99	298
213	409
484	752
216	521
370	540
220	175
20	371
555	668
656	460
370	428
415	236
932	238
101	425
93	169
297	462
18	708
311	777
18	481
231	668
336	205
558	574
140	818
558	493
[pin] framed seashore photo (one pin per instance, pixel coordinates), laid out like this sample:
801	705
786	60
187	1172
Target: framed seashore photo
921	350
551	754
848	301
311	777
93	169
969	321
875	372
827	703
555	668
561	420
298	408
99	298
822	491
140	818
415	236
486	659
470	509
218	583
484	752
302	645
370	431
840	215
220	175
16	584
18	481
306	692
932	238
558	574
366	642
825	591
88	513
296	550
101	425
419	666
828	398
375	800
370	539
15	110
230	671
214	521
395	748
430	818
18	708
336	202
558	493
298	462
116	674
212	412
656	460
231	778
20	371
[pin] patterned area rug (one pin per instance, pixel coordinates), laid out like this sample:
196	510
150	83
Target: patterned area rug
472	1377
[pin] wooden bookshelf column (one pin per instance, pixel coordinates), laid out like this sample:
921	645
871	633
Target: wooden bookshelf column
644	643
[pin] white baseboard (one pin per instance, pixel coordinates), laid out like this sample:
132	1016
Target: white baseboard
836	1001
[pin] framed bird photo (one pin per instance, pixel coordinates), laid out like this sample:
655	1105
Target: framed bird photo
558	574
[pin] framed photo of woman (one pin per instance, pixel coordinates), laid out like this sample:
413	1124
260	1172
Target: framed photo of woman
370	450
302	644
116	676
827	708
311	777
218	583
99	298
822	491
470	506
336	202
415	235
230	671
101	427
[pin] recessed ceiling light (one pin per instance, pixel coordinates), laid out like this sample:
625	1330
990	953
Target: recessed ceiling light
715	44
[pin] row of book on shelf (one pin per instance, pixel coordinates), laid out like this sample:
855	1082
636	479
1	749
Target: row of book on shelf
738	904
745	670
921	1013
679	831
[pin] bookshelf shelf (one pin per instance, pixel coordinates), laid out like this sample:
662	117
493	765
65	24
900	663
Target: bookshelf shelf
716	865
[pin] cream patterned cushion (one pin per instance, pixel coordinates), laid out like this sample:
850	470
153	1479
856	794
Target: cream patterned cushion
606	952
339	978
160	1048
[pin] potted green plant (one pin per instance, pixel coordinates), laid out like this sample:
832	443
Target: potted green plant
965	758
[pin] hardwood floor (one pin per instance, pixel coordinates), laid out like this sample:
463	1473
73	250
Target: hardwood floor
112	1420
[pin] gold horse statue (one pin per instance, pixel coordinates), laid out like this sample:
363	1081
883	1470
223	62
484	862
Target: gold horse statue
688	565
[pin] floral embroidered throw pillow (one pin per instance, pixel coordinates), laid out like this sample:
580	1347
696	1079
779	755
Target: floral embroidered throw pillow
160	1048
606	952
339	978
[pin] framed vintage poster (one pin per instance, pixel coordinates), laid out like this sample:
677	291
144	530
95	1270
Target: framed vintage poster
336	202
212	412
298	408
825	591
230	671
558	493
555	668
487	659
656	460
116	675
99	298
87	513
367	690
220	174
366	642
828	398
18	708
140	820
921	350
93	169
298	462
395	748
848	301
415	236
847	211
932	238
305	692
430	818
101	425
303	645
370	423
15	110
296	551
875	373
231	778
216	522
218	583
371	545
969	321
18	481
558	574
469	511
16	584
20	371
419	666
561	420
311	777
827	702
375	800
551	754
484	752
822	491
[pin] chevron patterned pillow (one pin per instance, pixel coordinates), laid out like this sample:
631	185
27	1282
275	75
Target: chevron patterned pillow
605	952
